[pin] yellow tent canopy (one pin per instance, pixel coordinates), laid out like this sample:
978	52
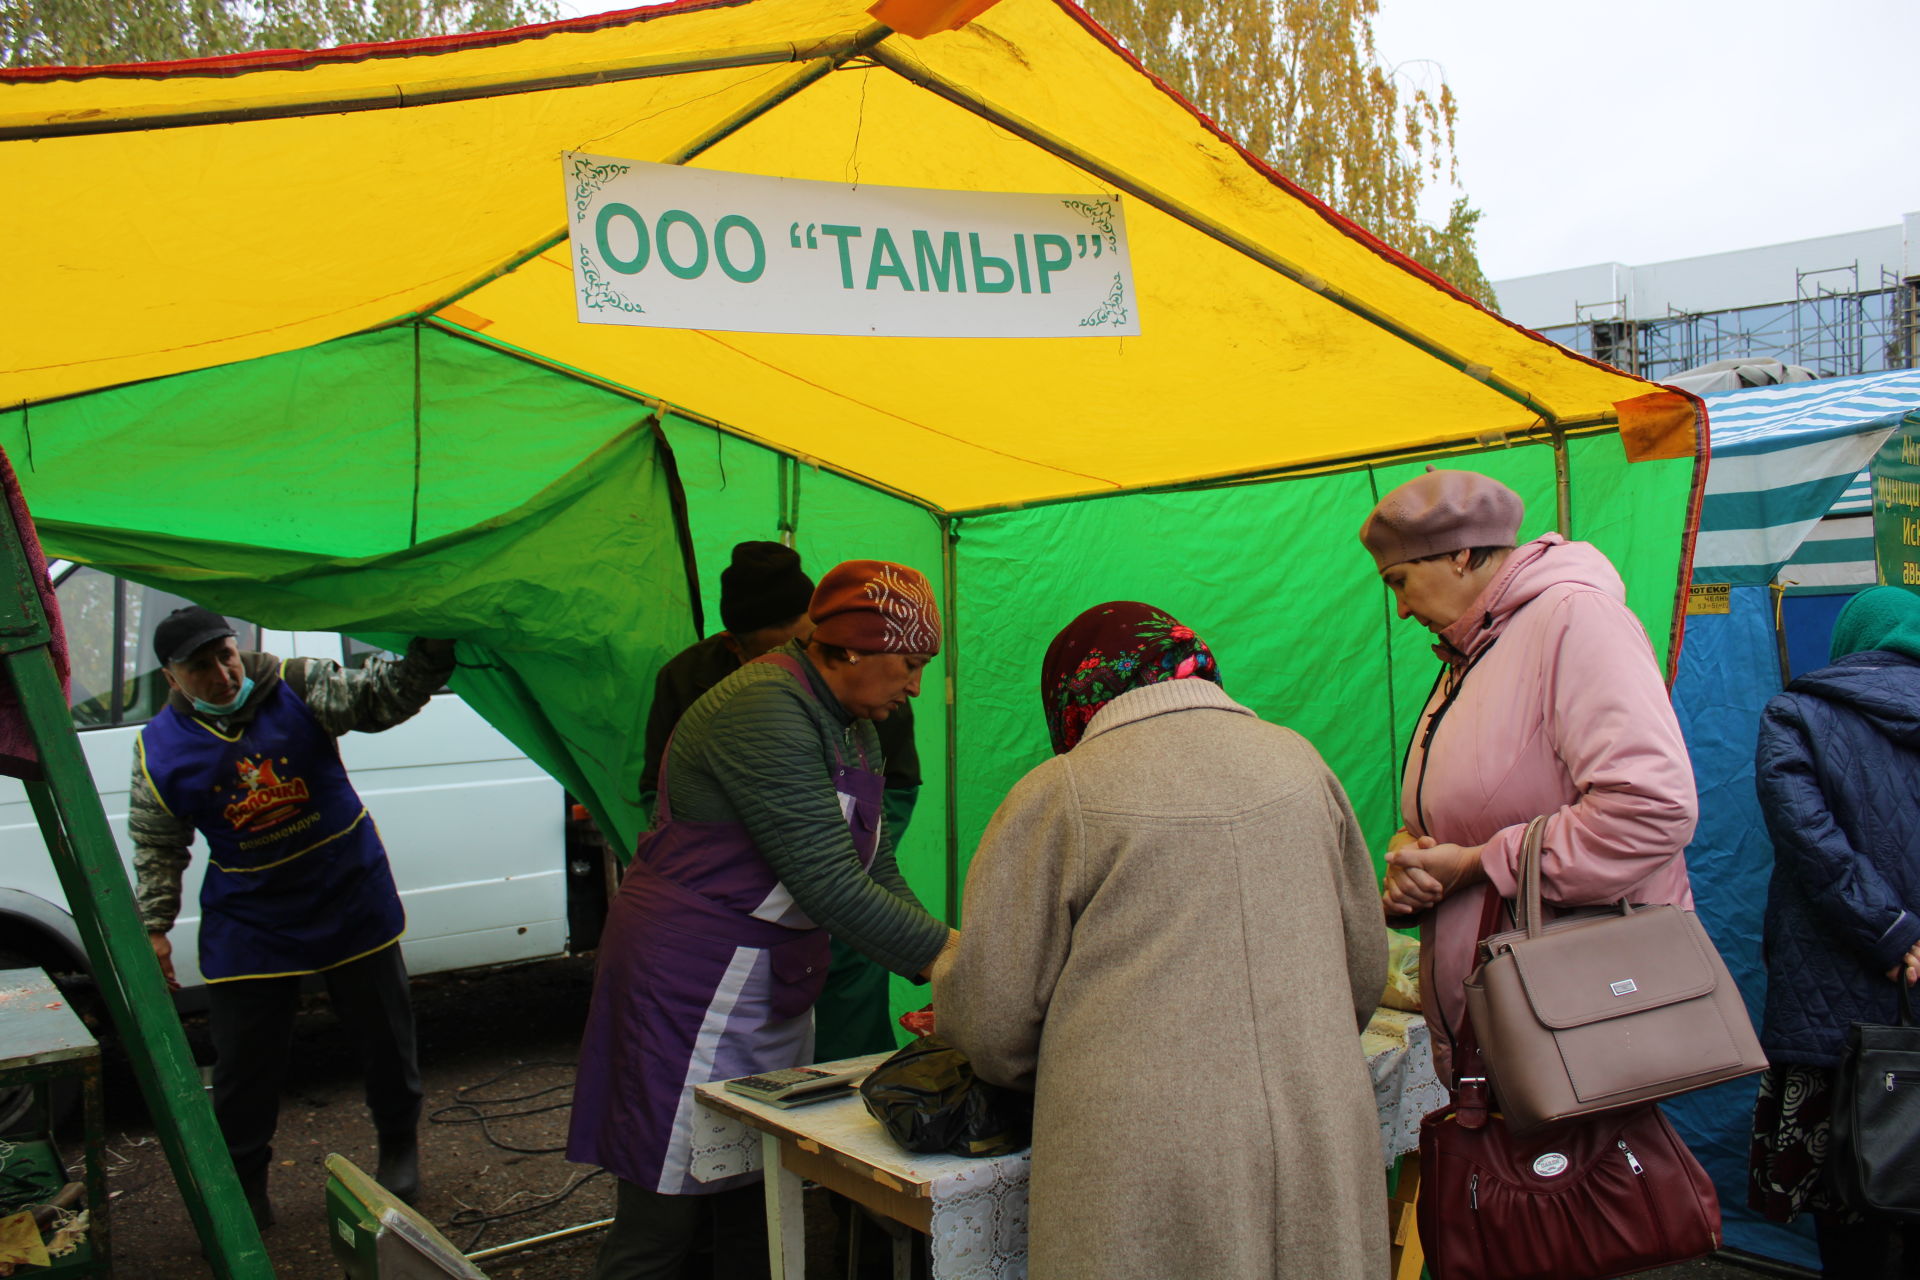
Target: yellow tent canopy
172	217
295	333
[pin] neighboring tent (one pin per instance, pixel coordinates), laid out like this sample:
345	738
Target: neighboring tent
1784	504
295	333
1732	375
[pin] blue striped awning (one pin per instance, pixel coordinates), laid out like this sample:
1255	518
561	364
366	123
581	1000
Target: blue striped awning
1783	457
1858	498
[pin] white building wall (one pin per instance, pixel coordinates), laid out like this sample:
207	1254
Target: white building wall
1551	297
1713	282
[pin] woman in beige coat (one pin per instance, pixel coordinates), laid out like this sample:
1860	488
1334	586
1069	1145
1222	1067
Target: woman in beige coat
1173	937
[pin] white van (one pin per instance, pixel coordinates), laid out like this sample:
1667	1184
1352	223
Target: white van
494	865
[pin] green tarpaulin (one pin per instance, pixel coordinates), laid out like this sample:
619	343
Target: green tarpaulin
412	481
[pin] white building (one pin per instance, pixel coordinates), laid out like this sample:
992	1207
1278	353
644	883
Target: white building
1838	304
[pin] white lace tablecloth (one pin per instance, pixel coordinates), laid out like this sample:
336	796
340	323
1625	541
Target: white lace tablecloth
980	1206
1400	1059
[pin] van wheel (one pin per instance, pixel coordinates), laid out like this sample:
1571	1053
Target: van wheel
20	1109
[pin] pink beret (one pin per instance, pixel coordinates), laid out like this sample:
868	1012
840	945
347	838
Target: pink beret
1439	512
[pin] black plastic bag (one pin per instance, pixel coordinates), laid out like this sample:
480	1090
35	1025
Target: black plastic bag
927	1097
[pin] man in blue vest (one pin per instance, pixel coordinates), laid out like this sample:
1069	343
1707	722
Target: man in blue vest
297	880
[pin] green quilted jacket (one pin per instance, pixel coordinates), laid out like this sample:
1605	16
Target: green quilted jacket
757	750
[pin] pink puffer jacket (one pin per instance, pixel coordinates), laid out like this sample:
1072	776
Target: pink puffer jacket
1561	710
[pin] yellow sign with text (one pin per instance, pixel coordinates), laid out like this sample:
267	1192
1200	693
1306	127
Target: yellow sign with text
1709	597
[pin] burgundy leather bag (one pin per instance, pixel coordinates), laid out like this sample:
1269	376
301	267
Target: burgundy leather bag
1601	1196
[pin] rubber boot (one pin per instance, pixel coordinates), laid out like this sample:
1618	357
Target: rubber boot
399	1170
255	1189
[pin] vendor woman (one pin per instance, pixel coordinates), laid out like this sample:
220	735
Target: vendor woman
768	839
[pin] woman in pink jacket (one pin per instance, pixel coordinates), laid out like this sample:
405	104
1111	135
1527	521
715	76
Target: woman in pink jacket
1549	701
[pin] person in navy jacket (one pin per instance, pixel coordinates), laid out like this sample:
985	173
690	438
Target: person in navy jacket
1838	771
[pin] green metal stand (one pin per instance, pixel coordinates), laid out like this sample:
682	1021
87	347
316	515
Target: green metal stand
45	1044
81	844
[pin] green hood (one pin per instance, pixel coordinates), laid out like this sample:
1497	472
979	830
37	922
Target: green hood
1879	618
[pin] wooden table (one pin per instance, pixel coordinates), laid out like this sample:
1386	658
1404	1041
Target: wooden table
44	1041
839	1146
975	1210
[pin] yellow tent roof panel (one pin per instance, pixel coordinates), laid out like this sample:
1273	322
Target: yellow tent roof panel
207	213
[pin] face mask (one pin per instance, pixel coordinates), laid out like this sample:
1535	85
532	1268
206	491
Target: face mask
228	708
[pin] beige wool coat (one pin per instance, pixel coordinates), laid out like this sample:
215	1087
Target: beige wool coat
1172	935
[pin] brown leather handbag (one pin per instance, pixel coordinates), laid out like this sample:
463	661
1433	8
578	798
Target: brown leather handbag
1598	1011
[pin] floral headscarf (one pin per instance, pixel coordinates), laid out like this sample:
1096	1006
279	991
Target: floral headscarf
1108	650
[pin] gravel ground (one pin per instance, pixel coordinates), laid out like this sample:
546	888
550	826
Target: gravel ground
494	1043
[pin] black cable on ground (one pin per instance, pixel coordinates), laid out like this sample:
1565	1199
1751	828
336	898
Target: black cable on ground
480	1220
470	1108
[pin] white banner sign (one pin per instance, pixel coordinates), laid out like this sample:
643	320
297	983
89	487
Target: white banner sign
676	248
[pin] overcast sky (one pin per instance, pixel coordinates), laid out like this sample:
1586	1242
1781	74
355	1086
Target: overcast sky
1642	130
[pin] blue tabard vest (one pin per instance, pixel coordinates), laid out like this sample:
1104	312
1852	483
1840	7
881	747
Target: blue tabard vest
297	880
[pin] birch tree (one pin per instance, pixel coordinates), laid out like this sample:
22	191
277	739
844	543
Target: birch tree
78	33
1300	84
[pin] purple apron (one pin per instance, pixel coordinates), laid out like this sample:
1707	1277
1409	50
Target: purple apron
707	969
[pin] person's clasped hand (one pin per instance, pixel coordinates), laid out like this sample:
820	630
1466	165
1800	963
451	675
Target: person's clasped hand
1422	872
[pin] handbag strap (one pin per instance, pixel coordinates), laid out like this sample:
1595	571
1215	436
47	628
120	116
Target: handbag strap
1466	1044
1469	1086
1906	998
1527	898
1527	907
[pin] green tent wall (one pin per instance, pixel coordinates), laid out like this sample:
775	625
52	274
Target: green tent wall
415	481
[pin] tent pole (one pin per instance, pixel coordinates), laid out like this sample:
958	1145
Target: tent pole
834	55
833	50
1779	594
950	570
963	98
1562	485
1270	475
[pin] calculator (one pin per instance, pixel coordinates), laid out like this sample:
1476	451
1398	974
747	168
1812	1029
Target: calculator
795	1086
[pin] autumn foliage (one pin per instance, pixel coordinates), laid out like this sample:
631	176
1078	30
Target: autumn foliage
1300	84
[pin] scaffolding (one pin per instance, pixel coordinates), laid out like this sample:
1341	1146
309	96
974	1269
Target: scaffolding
1833	325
